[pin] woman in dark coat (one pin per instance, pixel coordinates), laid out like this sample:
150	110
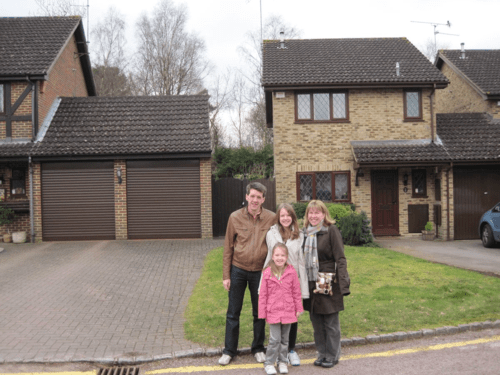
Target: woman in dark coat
324	253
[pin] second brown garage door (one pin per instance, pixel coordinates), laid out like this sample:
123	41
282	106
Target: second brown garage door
475	191
163	199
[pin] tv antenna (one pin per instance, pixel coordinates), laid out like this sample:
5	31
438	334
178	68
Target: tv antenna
435	24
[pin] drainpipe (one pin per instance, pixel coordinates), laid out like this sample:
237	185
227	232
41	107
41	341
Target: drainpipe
431	97
448	202
32	224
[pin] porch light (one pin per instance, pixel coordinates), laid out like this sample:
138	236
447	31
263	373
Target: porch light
405	179
119	175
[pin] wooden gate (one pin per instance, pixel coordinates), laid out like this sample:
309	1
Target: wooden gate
228	194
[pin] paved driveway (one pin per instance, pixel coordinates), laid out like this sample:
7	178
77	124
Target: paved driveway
97	300
468	254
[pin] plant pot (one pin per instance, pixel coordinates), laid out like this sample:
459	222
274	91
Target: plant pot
7	237
19	237
427	235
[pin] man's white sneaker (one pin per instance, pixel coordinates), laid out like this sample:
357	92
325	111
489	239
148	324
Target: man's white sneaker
283	368
293	358
225	359
260	357
270	370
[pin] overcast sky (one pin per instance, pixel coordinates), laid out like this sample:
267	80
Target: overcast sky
223	24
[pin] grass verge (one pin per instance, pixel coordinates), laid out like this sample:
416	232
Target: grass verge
390	292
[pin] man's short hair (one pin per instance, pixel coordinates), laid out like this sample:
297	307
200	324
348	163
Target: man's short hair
257	186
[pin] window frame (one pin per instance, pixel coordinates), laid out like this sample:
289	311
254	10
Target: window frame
13	195
333	174
414	173
2	99
311	94
405	107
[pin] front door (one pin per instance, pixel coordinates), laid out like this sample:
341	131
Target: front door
385	208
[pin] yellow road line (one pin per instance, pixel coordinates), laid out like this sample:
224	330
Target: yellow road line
389	353
188	369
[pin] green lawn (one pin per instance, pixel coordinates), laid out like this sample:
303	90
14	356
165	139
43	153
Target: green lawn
390	292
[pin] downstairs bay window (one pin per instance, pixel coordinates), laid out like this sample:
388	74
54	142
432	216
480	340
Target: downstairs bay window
324	186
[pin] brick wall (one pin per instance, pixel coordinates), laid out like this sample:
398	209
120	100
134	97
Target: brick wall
65	79
460	97
206	198
121	231
20	129
374	115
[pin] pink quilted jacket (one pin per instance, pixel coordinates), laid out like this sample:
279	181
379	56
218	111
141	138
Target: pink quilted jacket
280	300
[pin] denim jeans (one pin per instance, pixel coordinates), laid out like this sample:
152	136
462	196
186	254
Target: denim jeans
239	281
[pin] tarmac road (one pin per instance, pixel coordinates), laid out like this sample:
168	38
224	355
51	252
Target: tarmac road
471	352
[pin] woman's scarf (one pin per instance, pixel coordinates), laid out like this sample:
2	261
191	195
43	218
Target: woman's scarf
311	251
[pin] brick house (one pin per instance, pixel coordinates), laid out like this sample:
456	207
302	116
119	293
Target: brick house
469	118
102	168
354	121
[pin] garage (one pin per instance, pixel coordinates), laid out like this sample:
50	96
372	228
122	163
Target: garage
163	199
78	201
476	190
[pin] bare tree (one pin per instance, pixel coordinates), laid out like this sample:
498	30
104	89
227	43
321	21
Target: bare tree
109	60
220	91
170	61
430	49
51	8
251	51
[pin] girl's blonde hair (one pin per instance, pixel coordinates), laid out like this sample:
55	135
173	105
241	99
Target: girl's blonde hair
274	268
321	206
292	234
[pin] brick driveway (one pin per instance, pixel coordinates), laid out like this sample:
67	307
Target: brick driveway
67	301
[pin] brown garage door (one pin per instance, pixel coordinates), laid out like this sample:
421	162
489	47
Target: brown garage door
475	191
78	201
163	199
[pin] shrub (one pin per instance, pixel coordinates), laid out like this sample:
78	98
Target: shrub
355	229
300	209
338	210
245	161
6	215
429	226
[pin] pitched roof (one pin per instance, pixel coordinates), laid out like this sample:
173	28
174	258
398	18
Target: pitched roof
368	61
30	46
462	137
13	149
127	126
481	67
399	152
470	136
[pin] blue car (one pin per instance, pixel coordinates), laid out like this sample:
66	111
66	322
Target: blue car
489	226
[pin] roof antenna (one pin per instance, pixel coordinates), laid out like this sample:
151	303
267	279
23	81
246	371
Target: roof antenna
435	24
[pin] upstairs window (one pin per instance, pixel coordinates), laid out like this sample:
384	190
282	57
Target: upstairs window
325	186
419	183
18	183
321	107
413	105
2	99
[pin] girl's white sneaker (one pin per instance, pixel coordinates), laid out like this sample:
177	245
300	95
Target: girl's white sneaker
283	368
270	370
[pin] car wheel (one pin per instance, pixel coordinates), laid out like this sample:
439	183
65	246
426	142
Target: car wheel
487	236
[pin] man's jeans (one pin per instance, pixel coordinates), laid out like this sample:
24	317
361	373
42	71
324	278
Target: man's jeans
239	280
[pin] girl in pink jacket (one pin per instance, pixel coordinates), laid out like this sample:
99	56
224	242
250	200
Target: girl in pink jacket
280	303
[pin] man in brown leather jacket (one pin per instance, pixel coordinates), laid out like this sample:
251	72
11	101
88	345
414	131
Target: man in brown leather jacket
245	251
